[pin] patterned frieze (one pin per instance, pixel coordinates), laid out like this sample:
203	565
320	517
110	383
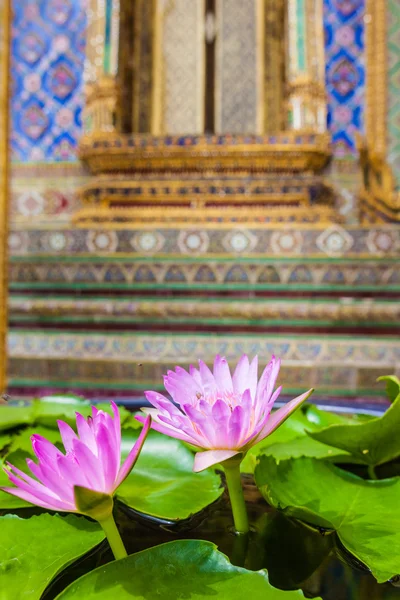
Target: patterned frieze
264	274
333	350
333	312
129	379
211	240
134	360
43	193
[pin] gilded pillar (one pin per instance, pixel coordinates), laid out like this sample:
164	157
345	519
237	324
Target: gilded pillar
376	79
274	66
306	66
4	184
101	67
380	197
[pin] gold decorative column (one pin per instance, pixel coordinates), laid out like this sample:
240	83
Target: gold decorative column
4	184
274	66
380	201
101	66
306	66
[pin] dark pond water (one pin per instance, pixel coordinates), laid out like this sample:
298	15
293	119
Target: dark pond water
296	556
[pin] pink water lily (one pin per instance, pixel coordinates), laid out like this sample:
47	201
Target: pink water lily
223	415
92	461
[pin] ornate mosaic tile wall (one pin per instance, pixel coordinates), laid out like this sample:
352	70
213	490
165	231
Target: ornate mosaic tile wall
334	364
45	193
345	72
48	49
393	118
48	53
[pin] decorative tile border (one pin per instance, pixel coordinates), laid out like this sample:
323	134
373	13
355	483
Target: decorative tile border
265	273
206	310
45	192
214	240
332	364
138	347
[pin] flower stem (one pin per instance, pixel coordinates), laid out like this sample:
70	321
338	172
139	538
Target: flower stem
232	473
371	472
114	538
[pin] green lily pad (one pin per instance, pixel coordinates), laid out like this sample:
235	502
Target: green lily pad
364	514
323	418
373	442
22	440
162	483
392	386
5	440
305	446
14	416
182	569
290	438
33	551
8	501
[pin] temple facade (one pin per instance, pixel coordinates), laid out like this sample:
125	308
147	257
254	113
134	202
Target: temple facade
198	177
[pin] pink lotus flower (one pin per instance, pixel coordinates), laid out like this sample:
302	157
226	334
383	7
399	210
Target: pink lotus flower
92	461
221	414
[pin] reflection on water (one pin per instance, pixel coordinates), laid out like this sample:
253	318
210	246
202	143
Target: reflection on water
296	556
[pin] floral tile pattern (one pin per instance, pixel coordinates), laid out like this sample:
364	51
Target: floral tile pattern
48	51
345	72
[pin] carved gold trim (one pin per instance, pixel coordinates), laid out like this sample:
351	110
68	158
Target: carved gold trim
4	187
274	44
119	153
185	217
90	197
380	201
376	79
157	89
260	24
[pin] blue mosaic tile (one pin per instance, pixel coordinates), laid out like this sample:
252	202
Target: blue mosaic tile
345	72
48	51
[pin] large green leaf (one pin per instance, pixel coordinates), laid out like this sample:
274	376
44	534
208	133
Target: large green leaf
177	570
365	514
307	447
392	386
162	483
18	459
373	442
14	416
33	551
5	440
19	450
290	439
22	440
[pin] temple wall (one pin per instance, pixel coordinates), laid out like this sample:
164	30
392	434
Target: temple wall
80	296
48	50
